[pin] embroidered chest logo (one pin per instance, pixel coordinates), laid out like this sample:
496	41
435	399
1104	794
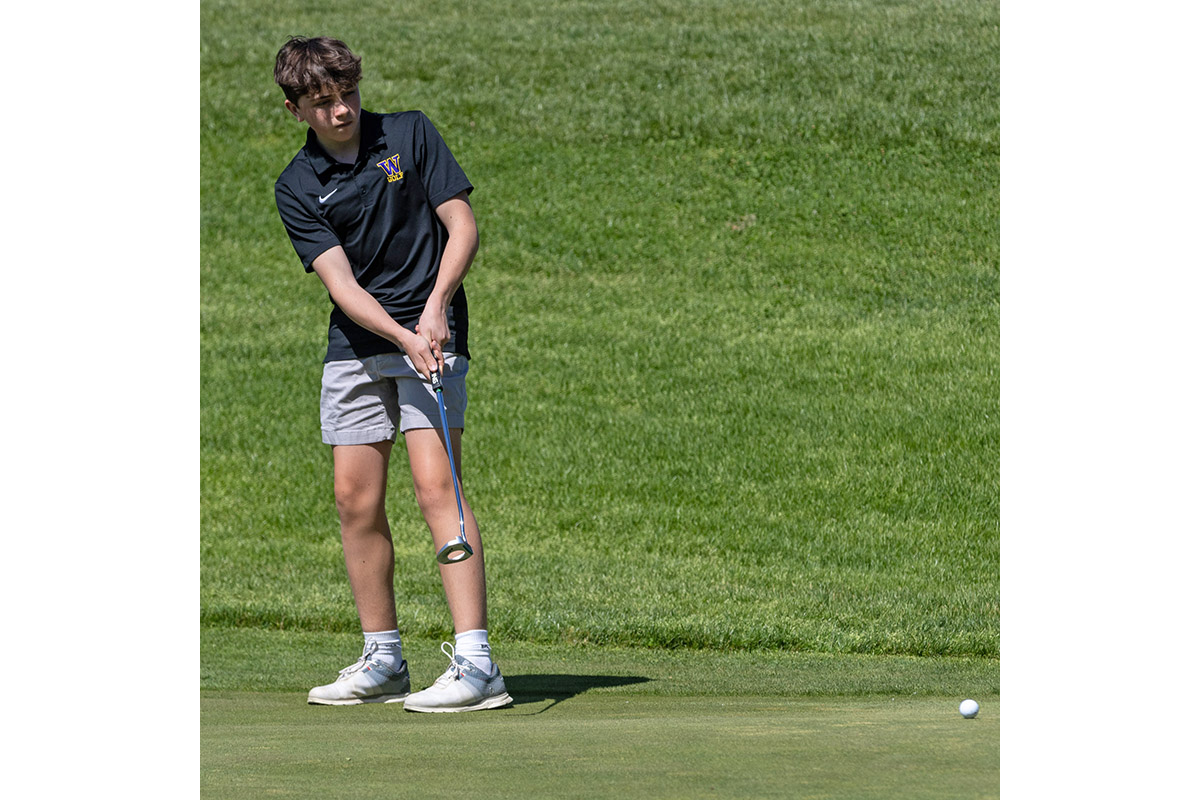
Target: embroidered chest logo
391	168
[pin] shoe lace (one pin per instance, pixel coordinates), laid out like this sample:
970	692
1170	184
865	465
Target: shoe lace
368	651
454	671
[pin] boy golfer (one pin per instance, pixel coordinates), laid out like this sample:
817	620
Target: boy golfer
377	207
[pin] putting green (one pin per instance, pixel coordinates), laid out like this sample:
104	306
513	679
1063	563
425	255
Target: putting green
602	744
603	722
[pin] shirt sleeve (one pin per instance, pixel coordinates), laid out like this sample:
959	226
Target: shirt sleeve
310	234
440	173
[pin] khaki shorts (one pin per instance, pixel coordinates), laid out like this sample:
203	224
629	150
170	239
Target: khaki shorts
363	402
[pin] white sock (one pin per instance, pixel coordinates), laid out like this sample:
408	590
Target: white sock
389	646
473	646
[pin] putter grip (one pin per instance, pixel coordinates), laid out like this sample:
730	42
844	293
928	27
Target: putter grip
435	378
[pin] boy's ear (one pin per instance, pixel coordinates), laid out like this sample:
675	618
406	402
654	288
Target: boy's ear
291	107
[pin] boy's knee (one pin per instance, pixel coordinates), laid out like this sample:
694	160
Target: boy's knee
433	493
356	502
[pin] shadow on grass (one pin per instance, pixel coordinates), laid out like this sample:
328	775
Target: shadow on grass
530	690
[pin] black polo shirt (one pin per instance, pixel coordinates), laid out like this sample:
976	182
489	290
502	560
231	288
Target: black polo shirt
381	211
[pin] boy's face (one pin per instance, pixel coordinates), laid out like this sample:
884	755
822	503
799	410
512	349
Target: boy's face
331	113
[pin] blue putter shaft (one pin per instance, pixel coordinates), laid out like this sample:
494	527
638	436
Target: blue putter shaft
459	544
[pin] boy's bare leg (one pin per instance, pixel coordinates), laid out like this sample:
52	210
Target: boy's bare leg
360	488
473	681
464	582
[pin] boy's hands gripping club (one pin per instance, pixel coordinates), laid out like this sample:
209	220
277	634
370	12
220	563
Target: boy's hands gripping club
424	352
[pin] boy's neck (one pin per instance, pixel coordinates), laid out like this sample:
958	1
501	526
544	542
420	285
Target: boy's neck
342	152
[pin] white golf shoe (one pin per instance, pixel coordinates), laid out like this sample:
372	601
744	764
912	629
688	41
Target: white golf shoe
462	687
367	680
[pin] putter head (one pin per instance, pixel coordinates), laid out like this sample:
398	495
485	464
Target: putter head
454	551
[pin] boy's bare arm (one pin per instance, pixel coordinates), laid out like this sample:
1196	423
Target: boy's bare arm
334	270
463	243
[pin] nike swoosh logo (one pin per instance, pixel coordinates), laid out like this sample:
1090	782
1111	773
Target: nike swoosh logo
326	197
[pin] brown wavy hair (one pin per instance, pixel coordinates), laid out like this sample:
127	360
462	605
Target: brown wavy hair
306	66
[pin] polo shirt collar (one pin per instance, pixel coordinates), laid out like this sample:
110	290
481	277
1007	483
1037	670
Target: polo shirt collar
372	133
372	140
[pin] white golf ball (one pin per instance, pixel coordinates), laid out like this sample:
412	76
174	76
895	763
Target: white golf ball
968	708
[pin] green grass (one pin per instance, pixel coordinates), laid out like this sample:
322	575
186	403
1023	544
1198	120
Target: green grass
603	721
735	322
265	745
234	658
734	399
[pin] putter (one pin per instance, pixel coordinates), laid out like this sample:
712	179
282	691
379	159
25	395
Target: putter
457	548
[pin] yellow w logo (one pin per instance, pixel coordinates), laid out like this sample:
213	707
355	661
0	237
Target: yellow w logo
391	166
